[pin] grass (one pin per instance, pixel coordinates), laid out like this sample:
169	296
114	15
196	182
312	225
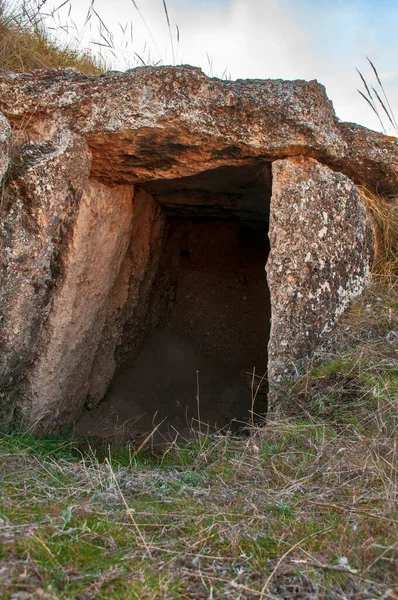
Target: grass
384	212
26	43
302	507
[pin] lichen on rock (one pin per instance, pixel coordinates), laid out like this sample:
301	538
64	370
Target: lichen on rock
322	242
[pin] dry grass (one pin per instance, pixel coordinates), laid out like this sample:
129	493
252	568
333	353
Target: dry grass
385	215
34	37
356	366
26	44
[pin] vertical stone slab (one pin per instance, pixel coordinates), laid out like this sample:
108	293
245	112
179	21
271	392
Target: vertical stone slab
5	131
56	386
39	203
321	241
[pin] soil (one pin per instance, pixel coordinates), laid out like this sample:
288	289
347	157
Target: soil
163	386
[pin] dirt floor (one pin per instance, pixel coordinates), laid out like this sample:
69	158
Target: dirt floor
163	385
197	368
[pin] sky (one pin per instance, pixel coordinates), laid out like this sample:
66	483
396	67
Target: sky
244	39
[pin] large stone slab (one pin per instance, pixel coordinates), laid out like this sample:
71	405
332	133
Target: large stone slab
43	187
56	385
169	122
321	241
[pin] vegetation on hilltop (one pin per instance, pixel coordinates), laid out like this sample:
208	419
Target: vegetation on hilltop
32	37
26	43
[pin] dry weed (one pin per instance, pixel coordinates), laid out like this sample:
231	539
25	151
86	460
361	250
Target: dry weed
385	215
27	44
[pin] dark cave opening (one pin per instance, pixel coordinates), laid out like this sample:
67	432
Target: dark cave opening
204	364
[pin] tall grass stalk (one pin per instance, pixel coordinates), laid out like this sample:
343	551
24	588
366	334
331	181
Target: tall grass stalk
373	98
33	35
119	47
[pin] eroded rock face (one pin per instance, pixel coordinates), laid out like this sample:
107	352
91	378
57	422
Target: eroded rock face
5	132
321	253
130	312
41	196
58	381
93	170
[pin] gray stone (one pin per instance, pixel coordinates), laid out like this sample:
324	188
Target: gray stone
321	241
5	132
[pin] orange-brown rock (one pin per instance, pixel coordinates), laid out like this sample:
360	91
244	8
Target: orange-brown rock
98	174
371	159
169	122
40	201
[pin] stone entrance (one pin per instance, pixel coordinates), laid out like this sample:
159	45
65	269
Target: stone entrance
205	345
197	363
134	219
